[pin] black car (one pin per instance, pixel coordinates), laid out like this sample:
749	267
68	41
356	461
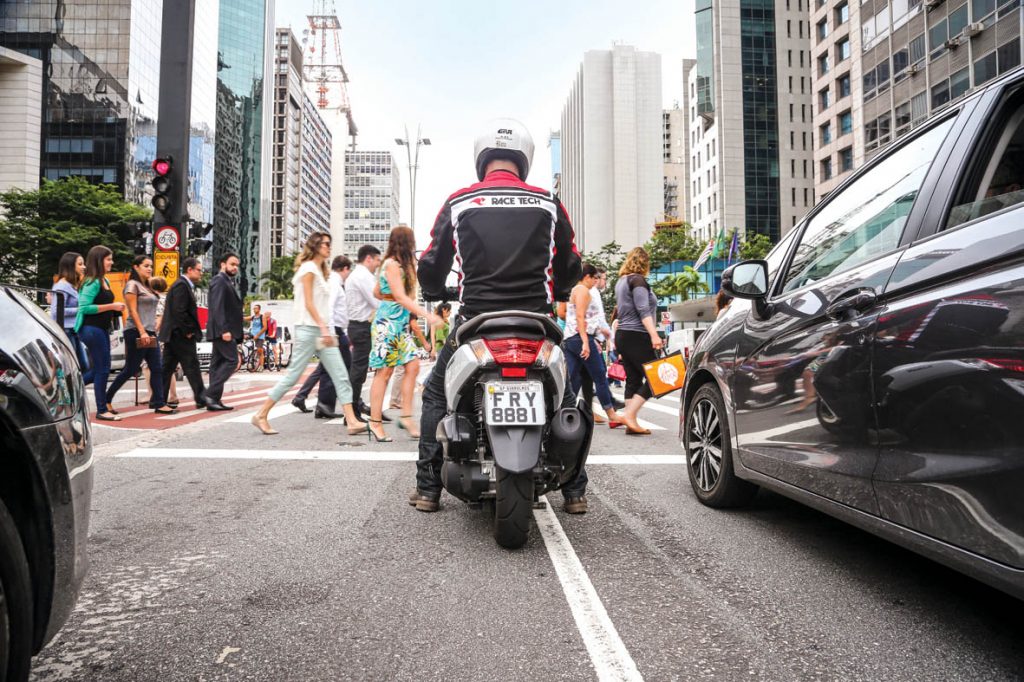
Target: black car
873	366
45	481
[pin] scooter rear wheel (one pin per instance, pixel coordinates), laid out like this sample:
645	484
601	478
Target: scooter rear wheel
513	508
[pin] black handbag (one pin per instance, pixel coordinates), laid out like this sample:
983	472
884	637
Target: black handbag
81	352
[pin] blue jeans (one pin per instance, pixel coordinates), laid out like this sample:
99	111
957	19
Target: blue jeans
303	350
133	362
594	366
98	342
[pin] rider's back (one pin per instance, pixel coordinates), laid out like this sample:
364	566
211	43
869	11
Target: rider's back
512	242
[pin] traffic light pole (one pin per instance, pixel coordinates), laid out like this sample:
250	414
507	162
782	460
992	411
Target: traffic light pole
174	122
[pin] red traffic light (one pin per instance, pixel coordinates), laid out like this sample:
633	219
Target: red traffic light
162	166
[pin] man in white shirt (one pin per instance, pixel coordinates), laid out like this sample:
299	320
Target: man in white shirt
362	307
327	397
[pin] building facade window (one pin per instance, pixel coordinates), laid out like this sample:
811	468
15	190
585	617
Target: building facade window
824	64
825	133
846	159
846	122
824	99
842	13
842	50
822	30
843	86
826	170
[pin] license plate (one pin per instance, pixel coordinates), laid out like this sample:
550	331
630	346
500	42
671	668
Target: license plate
514	404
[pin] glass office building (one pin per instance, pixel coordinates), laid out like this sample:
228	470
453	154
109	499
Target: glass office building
101	71
241	68
101	90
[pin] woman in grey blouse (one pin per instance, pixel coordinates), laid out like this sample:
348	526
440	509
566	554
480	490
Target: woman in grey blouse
140	336
637	338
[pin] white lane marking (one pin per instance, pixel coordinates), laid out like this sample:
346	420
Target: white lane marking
643	422
326	455
279	410
653	405
769	434
608	653
354	456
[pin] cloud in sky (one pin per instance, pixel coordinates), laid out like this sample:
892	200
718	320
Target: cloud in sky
452	65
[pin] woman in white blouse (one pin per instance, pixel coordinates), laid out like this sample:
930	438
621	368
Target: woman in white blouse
312	312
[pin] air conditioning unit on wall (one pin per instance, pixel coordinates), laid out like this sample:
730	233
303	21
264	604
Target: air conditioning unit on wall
914	68
932	4
974	29
953	43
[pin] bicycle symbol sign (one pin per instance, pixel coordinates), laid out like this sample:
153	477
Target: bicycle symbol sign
166	238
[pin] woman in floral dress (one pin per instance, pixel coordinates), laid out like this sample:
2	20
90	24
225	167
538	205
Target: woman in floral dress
392	344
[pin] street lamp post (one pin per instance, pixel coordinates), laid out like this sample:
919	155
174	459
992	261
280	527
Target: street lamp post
414	164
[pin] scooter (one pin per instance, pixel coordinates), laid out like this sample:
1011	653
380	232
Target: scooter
507	439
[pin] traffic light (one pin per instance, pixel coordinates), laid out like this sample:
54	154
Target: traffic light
199	241
161	183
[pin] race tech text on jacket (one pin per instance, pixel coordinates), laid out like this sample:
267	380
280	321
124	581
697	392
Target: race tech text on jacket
513	244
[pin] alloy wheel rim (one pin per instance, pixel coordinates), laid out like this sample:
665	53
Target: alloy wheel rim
705	441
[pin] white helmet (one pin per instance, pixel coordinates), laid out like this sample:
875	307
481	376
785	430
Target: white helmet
504	138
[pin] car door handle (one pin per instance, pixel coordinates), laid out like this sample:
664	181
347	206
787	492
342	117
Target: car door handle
855	302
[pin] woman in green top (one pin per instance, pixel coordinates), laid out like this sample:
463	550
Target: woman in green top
96	311
439	333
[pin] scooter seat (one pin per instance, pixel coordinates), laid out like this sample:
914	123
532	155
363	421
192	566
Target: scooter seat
510	321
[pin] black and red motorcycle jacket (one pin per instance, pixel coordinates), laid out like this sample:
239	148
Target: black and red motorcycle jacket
513	244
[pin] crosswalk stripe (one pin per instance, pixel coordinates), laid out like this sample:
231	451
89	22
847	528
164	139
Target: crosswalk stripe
361	455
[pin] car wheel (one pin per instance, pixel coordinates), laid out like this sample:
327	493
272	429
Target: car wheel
15	603
709	453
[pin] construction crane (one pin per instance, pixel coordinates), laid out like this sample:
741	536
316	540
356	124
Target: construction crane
322	64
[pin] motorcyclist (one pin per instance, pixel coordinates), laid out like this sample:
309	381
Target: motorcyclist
516	251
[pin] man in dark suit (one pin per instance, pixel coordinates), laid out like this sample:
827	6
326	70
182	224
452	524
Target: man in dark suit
180	330
223	329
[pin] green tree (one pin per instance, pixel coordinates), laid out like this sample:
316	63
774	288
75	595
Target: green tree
682	284
755	246
671	244
277	281
38	226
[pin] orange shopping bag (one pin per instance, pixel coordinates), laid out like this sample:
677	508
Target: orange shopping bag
666	374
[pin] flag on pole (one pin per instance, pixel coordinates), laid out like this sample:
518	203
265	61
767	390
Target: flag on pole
719	243
734	248
705	254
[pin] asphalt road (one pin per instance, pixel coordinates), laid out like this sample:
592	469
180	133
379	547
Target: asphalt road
270	565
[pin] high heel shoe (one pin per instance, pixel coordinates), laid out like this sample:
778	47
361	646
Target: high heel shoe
372	435
263	425
356	430
401	425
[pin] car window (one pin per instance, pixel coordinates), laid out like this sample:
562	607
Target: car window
866	218
778	253
1000	184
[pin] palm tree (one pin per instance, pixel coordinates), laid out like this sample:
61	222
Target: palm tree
278	279
682	284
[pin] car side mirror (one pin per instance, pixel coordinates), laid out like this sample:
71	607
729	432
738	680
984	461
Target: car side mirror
748	279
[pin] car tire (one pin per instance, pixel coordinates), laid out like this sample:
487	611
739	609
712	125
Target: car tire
708	446
15	603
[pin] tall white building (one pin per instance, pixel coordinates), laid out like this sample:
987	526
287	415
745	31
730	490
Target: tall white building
371	199
21	86
676	153
612	183
315	186
750	117
286	236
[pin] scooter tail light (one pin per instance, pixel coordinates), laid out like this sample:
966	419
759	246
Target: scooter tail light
512	351
483	355
544	356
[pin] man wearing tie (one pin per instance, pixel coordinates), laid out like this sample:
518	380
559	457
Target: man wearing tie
180	330
223	329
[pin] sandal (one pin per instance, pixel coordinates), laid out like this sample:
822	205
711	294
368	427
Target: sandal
263	425
615	424
630	431
166	409
401	425
108	417
372	435
356	430
111	410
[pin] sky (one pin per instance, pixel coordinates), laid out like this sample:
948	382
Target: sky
452	65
